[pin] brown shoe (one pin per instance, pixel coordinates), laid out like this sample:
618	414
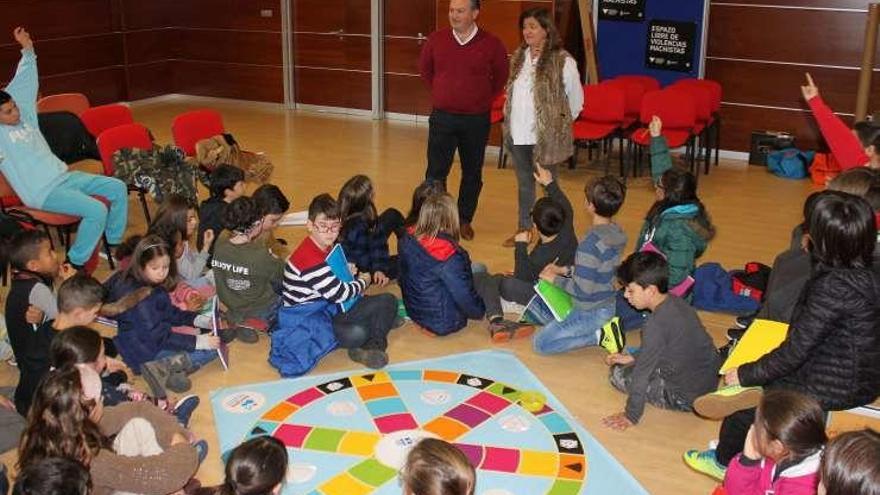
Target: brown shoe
467	232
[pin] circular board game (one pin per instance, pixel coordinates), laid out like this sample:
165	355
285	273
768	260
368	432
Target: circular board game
350	435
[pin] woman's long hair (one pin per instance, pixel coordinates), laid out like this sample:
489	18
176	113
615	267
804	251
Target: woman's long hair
356	201
58	423
553	41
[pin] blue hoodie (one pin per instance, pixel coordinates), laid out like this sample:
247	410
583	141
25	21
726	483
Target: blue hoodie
25	158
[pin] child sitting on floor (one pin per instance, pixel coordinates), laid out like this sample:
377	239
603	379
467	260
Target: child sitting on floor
364	234
851	464
133	447
256	467
590	280
435	271
273	204
553	217
35	267
178	216
783	448
677	361
436	467
144	339
52	476
227	185
247	275
311	324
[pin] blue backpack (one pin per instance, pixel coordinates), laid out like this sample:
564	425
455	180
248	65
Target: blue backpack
790	163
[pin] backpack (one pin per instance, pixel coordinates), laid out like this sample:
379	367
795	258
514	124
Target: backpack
752	281
713	292
790	163
160	171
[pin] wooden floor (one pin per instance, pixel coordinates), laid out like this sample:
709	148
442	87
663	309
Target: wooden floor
315	153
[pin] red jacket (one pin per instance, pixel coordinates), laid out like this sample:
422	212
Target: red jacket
844	144
464	79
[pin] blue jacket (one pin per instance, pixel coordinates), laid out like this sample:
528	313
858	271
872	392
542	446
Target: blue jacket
145	329
366	248
304	335
437	284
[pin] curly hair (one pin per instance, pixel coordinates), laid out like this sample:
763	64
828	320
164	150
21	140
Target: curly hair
58	424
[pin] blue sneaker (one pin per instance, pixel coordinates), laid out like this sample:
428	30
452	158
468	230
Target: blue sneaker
202	449
705	462
184	409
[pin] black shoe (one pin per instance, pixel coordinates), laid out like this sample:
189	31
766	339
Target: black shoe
246	335
116	378
744	321
734	334
226	335
371	358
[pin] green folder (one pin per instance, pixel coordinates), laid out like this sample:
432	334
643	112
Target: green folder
556	299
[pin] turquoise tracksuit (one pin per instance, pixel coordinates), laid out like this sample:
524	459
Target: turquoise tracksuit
42	180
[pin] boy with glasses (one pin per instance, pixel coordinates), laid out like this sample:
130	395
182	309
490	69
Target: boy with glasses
310	284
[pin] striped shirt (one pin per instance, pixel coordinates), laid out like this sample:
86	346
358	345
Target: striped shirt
308	278
597	256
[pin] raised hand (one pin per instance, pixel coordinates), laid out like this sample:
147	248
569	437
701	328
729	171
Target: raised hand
810	90
23	38
656	126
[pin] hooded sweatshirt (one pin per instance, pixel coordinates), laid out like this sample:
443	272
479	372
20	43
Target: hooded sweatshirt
681	238
757	477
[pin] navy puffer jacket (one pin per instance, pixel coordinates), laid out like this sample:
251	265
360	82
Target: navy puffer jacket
437	284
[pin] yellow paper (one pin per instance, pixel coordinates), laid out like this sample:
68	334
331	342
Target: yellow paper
762	337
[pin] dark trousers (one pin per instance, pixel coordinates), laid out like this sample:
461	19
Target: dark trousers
494	287
390	222
367	324
732	436
659	393
468	134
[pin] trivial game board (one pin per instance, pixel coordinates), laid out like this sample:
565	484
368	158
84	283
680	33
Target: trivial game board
348	433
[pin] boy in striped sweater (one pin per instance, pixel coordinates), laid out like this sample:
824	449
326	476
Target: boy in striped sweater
591	280
363	329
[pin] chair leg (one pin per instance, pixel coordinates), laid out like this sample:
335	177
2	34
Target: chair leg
717	138
707	147
49	234
572	162
143	198
108	252
622	172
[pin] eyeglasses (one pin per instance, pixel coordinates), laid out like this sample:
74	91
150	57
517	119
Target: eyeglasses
326	228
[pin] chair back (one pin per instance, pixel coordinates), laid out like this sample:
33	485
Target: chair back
191	127
647	82
633	92
713	87
603	103
75	103
99	119
676	108
702	98
134	136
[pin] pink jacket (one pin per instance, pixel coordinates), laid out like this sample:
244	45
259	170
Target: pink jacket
757	479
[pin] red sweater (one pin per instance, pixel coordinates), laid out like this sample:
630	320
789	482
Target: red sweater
845	146
464	79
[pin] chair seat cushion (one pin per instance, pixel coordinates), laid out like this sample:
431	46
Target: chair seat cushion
47	217
587	131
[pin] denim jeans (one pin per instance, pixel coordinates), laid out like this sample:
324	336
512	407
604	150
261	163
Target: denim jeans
73	196
523	162
579	329
199	357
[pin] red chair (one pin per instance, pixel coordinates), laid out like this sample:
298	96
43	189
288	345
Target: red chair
647	82
191	127
63	224
677	110
703	99
633	92
601	120
99	119
134	136
496	116
714	125
76	103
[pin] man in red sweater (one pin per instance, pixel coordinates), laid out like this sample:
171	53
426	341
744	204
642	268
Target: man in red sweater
465	68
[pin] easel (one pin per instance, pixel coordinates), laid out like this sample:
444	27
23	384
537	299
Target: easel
864	91
589	41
